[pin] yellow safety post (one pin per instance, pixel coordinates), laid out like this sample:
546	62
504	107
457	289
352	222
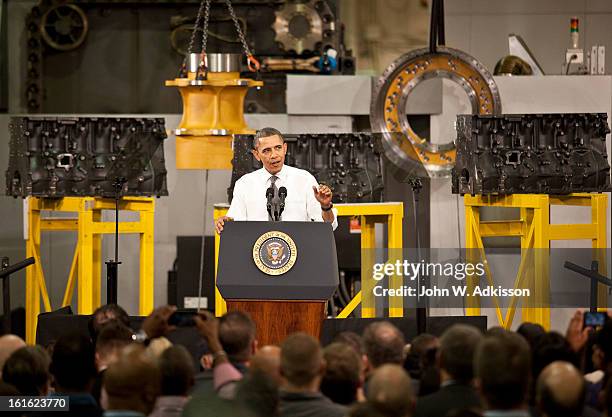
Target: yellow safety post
536	233
390	214
86	266
212	113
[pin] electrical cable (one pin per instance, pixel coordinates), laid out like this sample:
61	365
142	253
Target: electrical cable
574	56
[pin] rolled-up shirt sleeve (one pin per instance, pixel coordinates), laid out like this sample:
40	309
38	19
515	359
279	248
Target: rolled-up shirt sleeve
238	208
314	207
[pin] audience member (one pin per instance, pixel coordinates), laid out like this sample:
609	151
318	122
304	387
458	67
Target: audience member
302	367
258	393
560	391
131	384
383	343
531	332
458	345
267	360
9	343
106	314
111	340
27	369
177	377
343	377
420	364
502	370
237	335
73	367
390	391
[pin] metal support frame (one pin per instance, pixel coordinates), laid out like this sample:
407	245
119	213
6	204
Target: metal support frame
87	258
391	214
536	232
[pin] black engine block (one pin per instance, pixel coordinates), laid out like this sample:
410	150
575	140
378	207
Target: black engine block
84	157
350	163
531	154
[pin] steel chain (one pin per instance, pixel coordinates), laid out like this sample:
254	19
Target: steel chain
205	29
195	29
245	47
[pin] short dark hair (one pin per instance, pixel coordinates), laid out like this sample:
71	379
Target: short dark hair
457	347
342	373
177	371
73	362
383	343
301	359
266	132
27	369
503	365
351	339
258	393
236	333
102	315
113	335
551	347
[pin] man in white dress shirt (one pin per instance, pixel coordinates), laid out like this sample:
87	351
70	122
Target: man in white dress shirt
306	200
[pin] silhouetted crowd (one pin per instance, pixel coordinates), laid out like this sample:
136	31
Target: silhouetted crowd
117	372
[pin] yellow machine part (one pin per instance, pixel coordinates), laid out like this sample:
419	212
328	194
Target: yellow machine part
212	113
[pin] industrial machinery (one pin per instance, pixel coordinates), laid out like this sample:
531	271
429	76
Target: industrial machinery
531	154
79	157
350	163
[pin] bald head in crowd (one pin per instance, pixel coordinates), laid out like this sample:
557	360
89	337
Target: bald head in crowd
560	391
390	391
302	363
383	343
267	360
9	343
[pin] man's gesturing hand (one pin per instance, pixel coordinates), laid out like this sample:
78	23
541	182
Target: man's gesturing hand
323	194
220	222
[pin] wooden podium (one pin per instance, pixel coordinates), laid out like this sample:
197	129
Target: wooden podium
280	273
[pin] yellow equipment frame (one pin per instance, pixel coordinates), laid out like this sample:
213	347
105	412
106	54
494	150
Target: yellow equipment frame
389	213
536	232
87	259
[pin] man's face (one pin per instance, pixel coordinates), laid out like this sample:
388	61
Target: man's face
271	152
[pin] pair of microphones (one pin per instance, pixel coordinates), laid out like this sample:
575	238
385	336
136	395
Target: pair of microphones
275	208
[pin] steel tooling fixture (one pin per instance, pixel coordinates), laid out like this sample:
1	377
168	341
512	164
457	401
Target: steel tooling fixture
531	154
350	163
83	156
401	144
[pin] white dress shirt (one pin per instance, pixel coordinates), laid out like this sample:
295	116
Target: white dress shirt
249	202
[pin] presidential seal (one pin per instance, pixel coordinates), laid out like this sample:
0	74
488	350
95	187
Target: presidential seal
274	253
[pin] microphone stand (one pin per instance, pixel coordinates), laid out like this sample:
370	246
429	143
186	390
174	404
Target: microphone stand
421	316
112	266
270	197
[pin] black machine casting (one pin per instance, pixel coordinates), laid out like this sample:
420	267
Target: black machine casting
531	154
350	163
83	157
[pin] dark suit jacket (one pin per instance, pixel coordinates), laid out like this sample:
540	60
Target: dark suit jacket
449	397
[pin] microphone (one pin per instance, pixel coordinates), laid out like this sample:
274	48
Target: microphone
282	194
270	197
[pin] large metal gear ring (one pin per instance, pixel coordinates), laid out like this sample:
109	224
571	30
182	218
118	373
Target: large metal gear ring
299	26
402	146
64	27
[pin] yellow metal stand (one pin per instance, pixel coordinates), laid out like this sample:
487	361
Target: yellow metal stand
370	214
87	259
536	232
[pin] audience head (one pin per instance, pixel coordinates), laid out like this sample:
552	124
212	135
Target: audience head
106	314
302	363
27	369
457	349
548	348
258	393
9	343
383	343
73	363
365	409
177	373
502	369
133	382
267	360
237	336
418	352
531	332
560	391
113	337
342	375
390	391
351	339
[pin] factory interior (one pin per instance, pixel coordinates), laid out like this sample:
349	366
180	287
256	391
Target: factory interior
450	133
